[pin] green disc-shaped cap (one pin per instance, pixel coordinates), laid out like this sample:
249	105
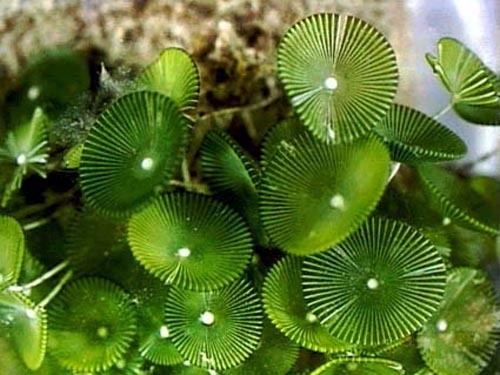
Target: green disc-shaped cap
174	74
131	151
11	250
379	285
191	241
474	88
26	326
340	74
56	76
314	194
285	305
457	201
215	330
414	137
92	324
462	336
360	366
149	296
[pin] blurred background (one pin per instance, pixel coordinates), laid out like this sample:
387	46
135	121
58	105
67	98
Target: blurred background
234	42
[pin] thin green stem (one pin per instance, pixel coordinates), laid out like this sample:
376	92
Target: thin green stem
54	292
185	171
47	275
36	224
443	111
12	187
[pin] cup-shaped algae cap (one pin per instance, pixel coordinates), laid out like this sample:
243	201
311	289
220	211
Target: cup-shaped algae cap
379	285
131	151
340	74
314	194
92	324
191	241
217	329
464	74
462	336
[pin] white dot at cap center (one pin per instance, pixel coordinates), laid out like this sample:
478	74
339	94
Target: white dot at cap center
372	283
442	325
121	364
30	313
331	83
164	332
337	202
147	164
33	92
207	318
21	159
184	252
311	318
102	332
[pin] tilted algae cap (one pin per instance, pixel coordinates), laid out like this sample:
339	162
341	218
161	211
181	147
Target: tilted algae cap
475	88
457	201
233	177
314	194
174	74
340	74
462	336
415	137
379	285
92	324
26	325
131	151
285	305
11	256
